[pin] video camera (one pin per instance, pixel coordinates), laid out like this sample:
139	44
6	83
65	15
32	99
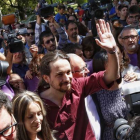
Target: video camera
45	10
122	130
14	44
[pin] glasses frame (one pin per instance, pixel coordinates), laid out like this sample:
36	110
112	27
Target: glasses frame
28	34
50	40
82	70
131	36
1	132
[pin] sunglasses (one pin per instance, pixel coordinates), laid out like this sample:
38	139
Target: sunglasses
28	34
51	40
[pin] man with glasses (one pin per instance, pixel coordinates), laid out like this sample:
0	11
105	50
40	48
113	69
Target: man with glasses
48	41
7	120
79	69
130	38
30	48
133	15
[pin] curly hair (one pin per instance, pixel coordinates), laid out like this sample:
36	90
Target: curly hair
35	64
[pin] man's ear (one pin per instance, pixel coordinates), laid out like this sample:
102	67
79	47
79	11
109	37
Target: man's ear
46	78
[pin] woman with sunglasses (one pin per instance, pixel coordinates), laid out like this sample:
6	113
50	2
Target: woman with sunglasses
30	114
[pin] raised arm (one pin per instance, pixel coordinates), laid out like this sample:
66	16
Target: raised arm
108	43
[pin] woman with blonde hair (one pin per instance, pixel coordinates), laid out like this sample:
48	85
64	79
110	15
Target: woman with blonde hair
30	115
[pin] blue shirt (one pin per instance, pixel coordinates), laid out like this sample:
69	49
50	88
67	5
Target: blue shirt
60	18
20	69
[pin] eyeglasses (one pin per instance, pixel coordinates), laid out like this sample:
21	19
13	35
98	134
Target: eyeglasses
28	34
51	40
131	36
10	129
82	70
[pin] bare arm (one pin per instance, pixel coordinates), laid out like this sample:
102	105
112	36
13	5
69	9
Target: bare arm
108	43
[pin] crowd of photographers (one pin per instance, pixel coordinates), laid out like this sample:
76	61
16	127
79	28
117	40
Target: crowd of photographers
73	75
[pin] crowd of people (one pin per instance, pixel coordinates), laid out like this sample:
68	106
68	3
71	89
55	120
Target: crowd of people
66	83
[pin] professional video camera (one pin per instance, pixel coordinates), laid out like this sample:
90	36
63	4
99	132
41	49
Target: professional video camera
13	43
45	10
122	130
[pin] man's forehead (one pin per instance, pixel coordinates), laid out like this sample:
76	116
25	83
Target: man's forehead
136	14
132	31
72	25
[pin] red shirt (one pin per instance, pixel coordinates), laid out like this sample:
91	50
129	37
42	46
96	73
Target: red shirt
81	13
70	120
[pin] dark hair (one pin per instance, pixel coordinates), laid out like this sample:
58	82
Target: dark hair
120	7
61	6
79	5
99	61
71	47
44	34
45	68
83	30
30	28
5	102
134	9
70	22
89	44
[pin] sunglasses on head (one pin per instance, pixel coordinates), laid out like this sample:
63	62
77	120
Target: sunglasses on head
28	34
51	40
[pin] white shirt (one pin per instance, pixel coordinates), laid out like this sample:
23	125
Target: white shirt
93	116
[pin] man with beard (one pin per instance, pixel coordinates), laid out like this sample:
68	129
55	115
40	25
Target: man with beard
67	35
48	41
129	36
7	120
65	96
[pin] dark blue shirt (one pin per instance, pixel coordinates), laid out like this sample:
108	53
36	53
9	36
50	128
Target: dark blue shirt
20	69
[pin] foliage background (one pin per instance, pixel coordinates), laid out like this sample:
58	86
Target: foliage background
25	6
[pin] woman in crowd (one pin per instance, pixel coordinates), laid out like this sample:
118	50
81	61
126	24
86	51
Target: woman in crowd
89	48
19	64
30	115
32	80
111	101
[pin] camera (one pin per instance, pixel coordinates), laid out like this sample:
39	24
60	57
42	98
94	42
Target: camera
122	129
14	44
3	72
45	10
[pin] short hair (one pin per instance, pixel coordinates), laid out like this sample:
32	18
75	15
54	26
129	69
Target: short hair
45	68
120	7
71	47
44	34
5	102
70	22
134	9
128	28
61	6
20	104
